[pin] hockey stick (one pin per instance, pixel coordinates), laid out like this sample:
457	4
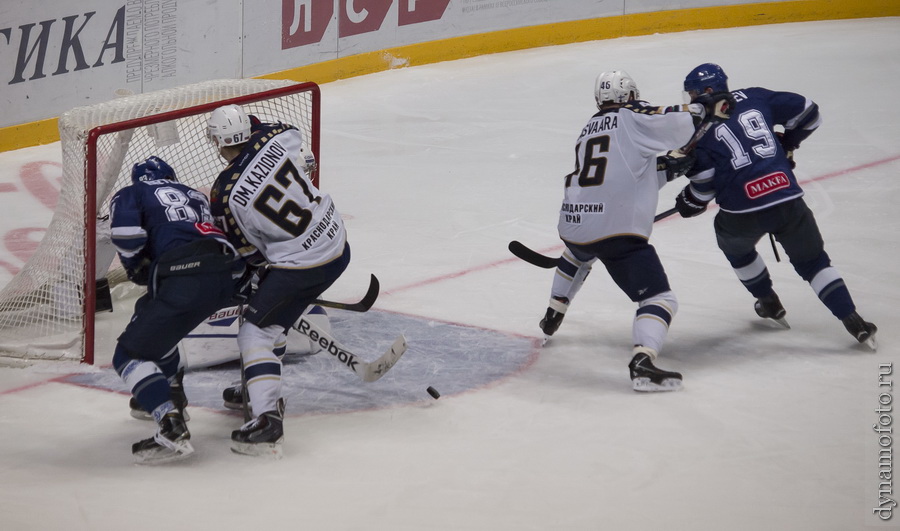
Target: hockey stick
548	262
664	214
774	248
362	306
532	257
698	134
368	371
245	393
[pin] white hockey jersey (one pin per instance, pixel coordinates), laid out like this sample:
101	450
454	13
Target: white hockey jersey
614	189
266	202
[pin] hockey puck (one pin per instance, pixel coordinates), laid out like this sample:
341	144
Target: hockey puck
433	392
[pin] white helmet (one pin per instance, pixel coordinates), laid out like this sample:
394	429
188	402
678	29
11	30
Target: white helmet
228	126
615	86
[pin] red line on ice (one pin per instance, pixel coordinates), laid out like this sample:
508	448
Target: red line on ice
557	248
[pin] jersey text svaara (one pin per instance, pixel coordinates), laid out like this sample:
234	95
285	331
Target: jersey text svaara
604	123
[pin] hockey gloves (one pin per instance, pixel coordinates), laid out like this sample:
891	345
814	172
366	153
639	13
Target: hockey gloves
719	105
139	273
788	150
243	286
675	163
688	205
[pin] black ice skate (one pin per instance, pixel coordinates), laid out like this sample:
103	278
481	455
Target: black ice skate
137	411
554	317
233	397
261	436
861	330
179	398
769	307
171	442
646	377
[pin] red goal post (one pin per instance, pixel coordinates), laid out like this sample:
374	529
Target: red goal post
48	310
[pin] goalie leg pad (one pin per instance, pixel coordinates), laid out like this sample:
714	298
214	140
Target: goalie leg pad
301	344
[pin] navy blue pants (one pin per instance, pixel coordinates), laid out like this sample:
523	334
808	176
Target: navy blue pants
791	223
284	293
175	304
632	263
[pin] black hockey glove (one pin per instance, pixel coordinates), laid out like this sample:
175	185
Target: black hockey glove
788	150
675	163
262	273
688	205
719	105
243	286
140	274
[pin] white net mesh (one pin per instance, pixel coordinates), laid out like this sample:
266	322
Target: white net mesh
42	308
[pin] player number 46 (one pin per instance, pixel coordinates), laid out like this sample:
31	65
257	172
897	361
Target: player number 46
593	168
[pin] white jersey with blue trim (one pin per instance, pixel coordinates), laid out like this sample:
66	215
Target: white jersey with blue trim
267	203
614	190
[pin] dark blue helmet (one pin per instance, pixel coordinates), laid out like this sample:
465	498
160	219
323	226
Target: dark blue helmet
152	169
706	75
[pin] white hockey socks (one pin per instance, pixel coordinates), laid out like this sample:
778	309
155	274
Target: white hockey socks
652	320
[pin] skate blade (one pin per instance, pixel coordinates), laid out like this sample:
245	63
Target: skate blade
163	454
871	343
644	385
781	322
233	405
264	450
140	414
545	340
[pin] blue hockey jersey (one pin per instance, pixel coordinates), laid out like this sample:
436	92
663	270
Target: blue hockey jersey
742	163
149	218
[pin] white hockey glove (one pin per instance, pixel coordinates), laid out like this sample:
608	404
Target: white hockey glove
698	112
719	105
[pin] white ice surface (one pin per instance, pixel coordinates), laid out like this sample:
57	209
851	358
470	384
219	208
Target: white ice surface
437	168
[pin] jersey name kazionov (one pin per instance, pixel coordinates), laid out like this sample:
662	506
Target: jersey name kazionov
255	176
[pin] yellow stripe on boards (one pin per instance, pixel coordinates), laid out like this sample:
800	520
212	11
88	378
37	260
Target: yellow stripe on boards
629	25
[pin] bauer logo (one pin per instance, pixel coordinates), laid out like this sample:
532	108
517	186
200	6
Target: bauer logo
183	267
224	317
766	185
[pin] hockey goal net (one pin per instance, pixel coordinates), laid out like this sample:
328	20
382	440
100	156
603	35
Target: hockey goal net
47	311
